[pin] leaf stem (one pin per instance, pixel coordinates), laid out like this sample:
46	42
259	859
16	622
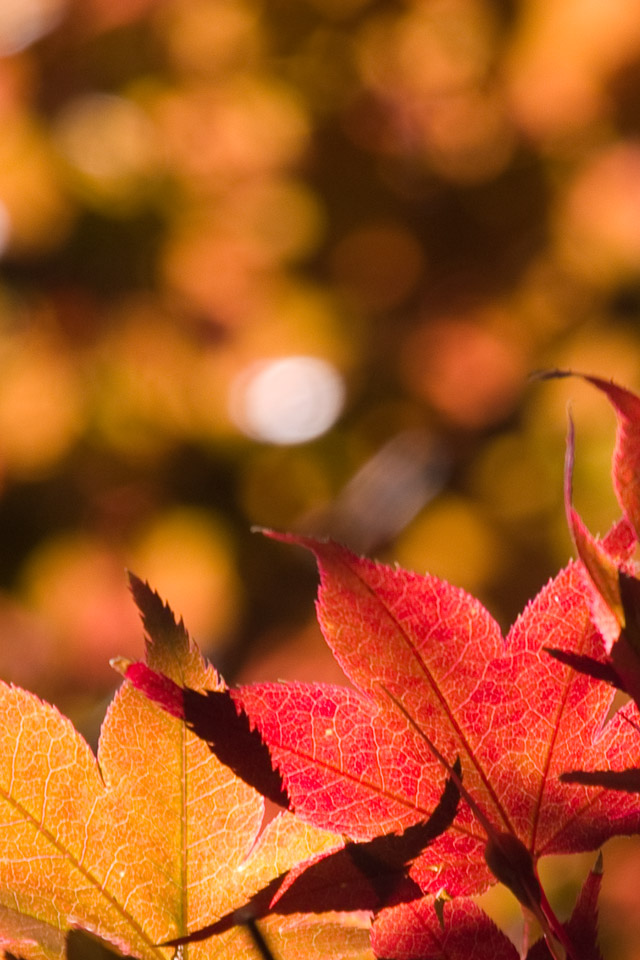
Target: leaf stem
259	941
507	857
555	934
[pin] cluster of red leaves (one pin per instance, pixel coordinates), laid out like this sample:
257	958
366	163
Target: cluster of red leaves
456	758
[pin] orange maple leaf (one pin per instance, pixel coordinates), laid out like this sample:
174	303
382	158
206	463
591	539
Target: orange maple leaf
148	841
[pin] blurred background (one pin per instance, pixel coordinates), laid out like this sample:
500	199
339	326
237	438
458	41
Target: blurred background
290	264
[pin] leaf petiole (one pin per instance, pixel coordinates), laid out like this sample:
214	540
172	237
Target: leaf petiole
506	856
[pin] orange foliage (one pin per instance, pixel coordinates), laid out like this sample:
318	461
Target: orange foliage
431	200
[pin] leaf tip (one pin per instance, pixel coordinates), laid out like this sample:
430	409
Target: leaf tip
139	588
120	664
156	687
553	374
279	535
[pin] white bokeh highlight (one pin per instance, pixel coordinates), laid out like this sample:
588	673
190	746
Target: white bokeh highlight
287	400
23	22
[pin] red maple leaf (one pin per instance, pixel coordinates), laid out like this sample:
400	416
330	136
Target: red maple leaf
612	588
431	666
460	929
626	455
434	680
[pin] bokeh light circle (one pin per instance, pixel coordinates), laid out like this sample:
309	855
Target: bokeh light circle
287	400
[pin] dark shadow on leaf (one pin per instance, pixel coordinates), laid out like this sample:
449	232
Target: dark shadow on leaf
368	875
226	728
627	780
598	669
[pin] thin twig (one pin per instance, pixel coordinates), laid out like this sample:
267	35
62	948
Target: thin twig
261	944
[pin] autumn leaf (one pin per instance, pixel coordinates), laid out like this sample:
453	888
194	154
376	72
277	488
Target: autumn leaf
414	931
601	568
220	720
360	876
582	926
461	929
434	680
626	455
612	589
354	761
143	844
237	744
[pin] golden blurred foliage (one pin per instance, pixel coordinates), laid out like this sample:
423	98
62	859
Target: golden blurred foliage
291	264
